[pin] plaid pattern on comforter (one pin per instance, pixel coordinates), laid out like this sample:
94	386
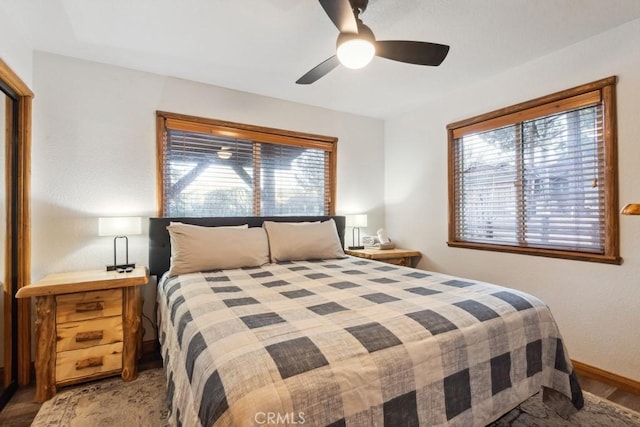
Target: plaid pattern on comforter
353	342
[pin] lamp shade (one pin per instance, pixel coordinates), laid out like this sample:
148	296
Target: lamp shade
631	209
357	220
119	226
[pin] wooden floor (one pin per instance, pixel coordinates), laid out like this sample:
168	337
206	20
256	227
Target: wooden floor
21	410
621	397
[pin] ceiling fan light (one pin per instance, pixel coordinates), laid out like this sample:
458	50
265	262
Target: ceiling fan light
356	53
225	153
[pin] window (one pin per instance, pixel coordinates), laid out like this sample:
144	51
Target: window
213	168
539	177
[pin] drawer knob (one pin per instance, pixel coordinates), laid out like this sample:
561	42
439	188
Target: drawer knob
89	336
83	307
91	362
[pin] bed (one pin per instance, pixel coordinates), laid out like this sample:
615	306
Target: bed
335	340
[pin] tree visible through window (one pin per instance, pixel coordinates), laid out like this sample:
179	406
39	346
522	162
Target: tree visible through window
538	177
213	168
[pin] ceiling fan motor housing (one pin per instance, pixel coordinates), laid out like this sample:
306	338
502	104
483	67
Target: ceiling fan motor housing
359	6
364	33
356	50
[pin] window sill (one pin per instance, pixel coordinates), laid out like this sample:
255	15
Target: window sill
552	253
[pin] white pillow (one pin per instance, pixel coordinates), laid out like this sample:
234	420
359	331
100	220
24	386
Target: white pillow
202	226
196	248
291	241
196	228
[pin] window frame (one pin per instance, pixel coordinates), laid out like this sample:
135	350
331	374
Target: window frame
166	120
540	107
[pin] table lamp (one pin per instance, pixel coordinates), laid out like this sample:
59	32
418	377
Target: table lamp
120	228
356	221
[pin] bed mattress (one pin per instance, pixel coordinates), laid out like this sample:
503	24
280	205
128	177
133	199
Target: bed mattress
353	342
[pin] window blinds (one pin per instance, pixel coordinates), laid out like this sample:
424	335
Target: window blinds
293	180
534	183
207	174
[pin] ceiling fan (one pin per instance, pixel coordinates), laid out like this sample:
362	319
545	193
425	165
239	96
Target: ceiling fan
356	44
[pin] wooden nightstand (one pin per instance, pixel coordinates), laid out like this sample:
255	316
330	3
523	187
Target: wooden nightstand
88	326
403	257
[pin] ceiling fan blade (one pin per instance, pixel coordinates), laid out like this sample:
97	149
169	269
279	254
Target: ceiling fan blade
420	53
319	71
341	15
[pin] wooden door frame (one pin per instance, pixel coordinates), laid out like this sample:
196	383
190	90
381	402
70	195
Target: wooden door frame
23	219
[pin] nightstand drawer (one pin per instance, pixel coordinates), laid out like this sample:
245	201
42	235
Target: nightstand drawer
89	361
88	305
88	333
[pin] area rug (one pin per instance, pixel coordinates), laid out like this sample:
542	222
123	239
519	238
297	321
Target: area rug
112	402
108	403
597	412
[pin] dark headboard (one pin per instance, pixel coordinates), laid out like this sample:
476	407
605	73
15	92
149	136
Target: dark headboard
160	248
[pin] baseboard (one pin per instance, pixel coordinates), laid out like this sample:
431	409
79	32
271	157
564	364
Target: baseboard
150	348
606	377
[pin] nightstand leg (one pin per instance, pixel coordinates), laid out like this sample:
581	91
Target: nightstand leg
45	348
131	326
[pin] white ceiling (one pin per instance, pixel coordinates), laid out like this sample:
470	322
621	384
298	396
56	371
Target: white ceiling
264	46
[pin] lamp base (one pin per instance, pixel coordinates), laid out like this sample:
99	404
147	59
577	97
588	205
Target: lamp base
354	247
121	268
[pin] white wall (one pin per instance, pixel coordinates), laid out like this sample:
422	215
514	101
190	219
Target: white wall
94	154
14	51
595	305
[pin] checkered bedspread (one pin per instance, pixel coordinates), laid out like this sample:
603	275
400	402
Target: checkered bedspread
353	342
